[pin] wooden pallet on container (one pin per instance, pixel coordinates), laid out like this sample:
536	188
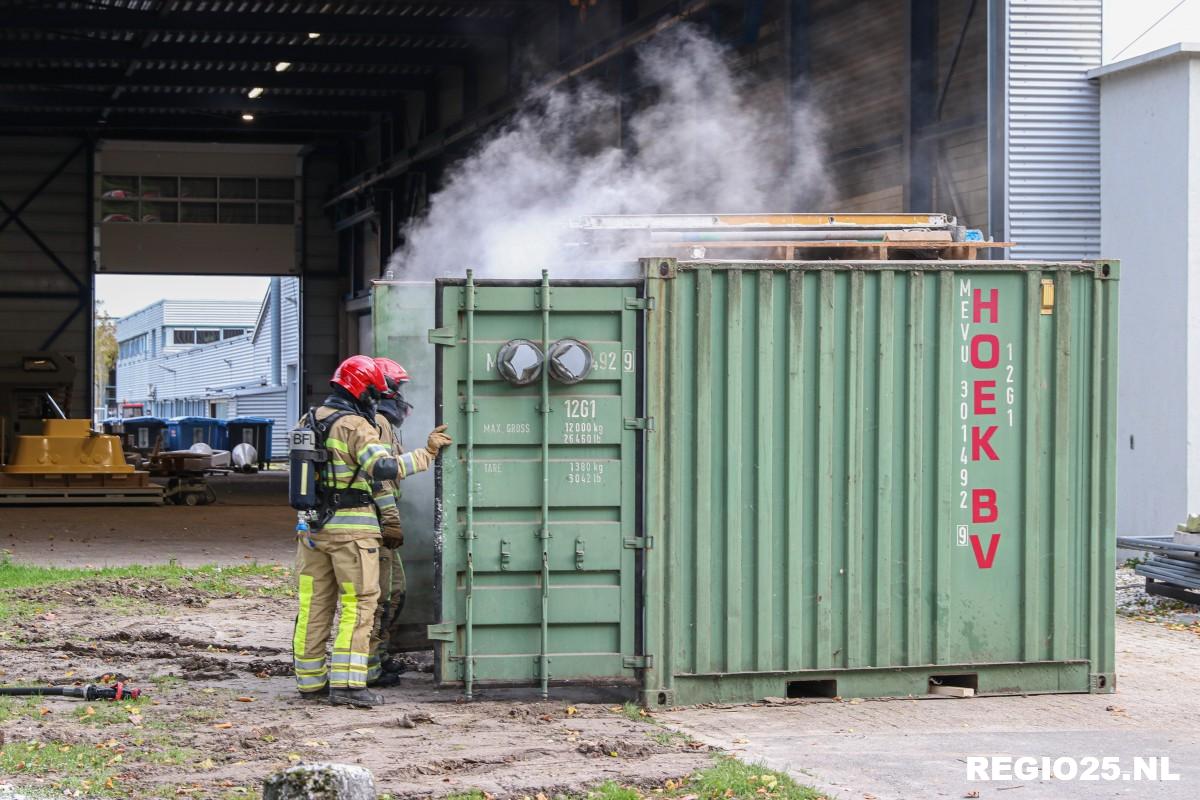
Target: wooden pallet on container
904	250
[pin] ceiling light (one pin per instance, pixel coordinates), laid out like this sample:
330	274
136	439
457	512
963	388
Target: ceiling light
314	36
248	117
256	92
283	66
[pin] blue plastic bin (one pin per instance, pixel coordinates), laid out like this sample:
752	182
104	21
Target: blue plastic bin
255	431
139	434
183	432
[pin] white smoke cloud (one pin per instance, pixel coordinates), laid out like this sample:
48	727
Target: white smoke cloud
707	143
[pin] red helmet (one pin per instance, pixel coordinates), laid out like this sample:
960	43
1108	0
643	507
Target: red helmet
359	375
393	374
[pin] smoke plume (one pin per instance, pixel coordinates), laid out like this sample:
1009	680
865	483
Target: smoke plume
708	141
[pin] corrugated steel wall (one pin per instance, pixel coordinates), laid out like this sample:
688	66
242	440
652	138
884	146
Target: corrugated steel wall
272	405
46	283
809	471
1053	128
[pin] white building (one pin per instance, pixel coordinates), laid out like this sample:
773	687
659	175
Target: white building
211	358
1150	198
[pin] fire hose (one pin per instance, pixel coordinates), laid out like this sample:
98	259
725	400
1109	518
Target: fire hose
118	691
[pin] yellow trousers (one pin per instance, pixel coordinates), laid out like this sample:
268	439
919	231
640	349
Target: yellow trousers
329	573
391	602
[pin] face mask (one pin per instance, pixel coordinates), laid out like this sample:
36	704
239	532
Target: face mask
395	409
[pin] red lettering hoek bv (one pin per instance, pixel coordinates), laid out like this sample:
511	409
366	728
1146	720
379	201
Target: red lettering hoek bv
985	561
983	443
992	304
993	359
983	506
982	397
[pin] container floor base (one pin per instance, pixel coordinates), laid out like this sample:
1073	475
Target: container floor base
1039	677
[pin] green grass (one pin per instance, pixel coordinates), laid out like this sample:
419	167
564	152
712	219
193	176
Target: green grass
20	708
211	579
14	610
473	794
108	712
667	738
611	790
730	778
67	766
635	713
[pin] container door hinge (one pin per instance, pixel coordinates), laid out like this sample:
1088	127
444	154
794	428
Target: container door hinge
639	423
638	662
640	543
639	303
440	632
443	336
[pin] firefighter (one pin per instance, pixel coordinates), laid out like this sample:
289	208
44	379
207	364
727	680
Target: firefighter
338	560
392	411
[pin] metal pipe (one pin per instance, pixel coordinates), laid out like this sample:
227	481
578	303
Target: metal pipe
545	531
468	651
276	322
54	405
837	235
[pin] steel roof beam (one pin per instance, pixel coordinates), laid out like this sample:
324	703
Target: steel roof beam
268	78
198	122
63	49
159	102
124	19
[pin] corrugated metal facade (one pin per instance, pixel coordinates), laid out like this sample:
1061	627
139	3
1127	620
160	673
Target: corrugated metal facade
45	258
202	313
1053	128
272	404
234	376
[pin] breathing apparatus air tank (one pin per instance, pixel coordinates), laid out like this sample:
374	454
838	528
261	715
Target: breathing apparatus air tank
304	461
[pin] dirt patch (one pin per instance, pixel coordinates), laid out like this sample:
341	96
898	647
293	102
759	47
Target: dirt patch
221	711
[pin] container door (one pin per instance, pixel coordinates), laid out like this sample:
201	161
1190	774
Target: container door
539	504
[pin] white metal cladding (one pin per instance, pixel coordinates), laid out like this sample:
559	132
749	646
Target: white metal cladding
271	404
1053	132
206	313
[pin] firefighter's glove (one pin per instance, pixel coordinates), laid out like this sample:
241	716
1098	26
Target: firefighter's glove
393	536
437	440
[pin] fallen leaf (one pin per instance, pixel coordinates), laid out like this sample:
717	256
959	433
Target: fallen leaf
207	764
89	712
571	711
613	753
293	757
972	793
70	673
741	740
245	699
223	725
613	709
43	711
108	784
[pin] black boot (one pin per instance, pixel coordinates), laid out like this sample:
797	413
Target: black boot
385	680
358	698
316	694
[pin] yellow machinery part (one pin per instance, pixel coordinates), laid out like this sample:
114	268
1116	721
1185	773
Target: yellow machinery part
67	446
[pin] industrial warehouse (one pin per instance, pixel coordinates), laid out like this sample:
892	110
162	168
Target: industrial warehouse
693	399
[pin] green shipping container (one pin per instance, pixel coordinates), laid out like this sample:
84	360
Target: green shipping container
785	479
